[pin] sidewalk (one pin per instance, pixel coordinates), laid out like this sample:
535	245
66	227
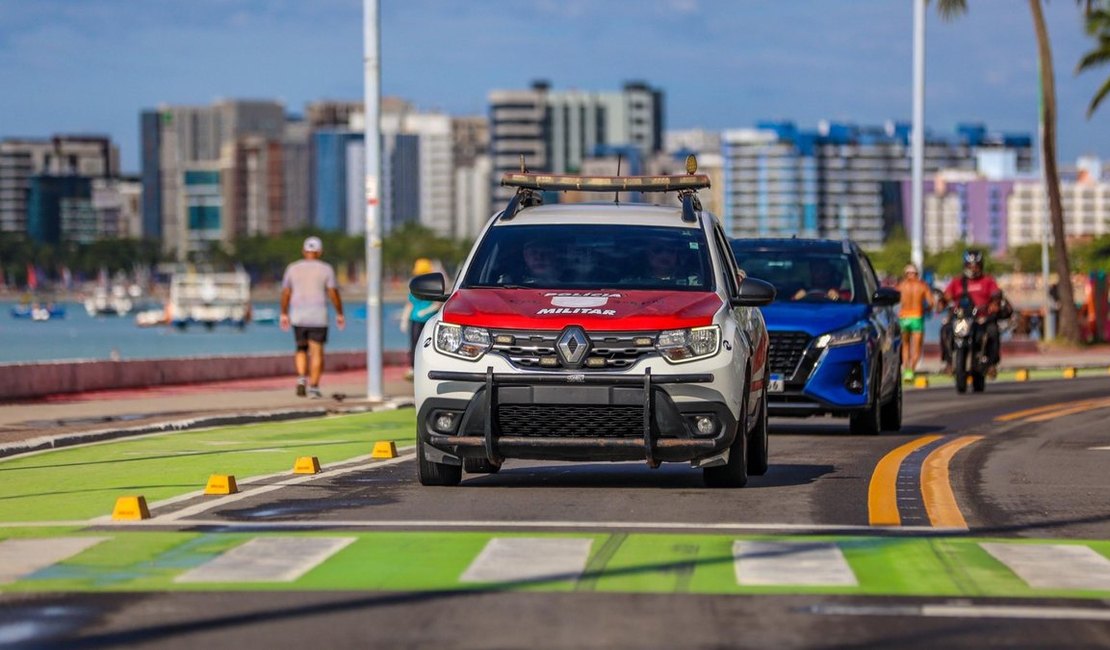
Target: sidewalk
1095	356
148	408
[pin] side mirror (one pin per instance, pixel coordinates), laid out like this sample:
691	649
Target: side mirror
754	293
430	286
886	297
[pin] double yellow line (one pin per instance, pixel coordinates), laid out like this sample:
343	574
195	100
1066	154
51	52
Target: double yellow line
1053	411
936	488
936	485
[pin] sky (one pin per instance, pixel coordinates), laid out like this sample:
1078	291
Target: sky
91	66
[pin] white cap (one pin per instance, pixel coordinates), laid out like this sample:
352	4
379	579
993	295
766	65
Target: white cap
313	245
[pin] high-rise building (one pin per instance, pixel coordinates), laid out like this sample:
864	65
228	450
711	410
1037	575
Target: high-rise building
330	175
556	130
962	206
296	152
85	156
254	196
201	204
118	203
470	137
842	180
184	135
1086	203
59	208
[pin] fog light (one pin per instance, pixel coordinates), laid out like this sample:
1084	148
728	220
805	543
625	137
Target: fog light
444	422
596	362
854	381
549	362
706	425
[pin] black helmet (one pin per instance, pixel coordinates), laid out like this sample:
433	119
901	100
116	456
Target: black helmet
972	256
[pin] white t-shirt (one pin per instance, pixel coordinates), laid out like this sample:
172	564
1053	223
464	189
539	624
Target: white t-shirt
309	281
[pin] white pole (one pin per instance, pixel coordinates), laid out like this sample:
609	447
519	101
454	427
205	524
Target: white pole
372	146
917	135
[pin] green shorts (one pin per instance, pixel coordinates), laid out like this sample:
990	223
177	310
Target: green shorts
913	324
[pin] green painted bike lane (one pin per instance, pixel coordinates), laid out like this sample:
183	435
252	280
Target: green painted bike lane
130	561
82	483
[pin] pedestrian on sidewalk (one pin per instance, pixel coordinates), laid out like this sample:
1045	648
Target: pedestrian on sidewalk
916	298
307	286
417	312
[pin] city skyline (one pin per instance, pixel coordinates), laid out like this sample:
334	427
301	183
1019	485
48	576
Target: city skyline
119	62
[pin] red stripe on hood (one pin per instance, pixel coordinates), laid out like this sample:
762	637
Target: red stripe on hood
546	309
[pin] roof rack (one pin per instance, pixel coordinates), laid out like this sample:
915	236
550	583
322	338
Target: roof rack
563	182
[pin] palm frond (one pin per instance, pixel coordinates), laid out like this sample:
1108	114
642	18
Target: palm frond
1099	96
951	9
1095	58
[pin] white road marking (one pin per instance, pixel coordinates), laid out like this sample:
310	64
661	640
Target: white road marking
1054	566
516	559
22	557
968	611
1107	448
268	559
768	564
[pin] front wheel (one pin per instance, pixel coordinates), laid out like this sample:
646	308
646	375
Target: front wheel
430	473
960	359
758	443
891	415
869	421
734	473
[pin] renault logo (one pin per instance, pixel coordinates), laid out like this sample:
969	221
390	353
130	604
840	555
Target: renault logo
572	346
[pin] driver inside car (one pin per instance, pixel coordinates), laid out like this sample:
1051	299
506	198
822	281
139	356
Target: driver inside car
541	262
824	282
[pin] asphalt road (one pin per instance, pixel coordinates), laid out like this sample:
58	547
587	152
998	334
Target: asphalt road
1039	471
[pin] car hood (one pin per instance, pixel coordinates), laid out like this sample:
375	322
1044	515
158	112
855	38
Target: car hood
814	318
593	310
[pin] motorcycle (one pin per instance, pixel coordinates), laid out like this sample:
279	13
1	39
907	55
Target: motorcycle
968	347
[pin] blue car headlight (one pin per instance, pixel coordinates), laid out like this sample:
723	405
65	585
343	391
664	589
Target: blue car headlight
847	336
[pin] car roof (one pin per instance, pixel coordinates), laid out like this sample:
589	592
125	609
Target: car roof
641	214
793	244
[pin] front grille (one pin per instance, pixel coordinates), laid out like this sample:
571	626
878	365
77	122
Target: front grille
569	421
615	350
786	350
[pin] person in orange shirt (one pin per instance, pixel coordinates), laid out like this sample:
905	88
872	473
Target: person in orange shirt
916	298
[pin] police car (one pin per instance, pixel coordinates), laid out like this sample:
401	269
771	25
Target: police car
595	332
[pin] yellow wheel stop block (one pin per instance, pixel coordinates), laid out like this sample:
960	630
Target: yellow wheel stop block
221	484
1022	374
384	449
1070	373
307	465
130	509
920	382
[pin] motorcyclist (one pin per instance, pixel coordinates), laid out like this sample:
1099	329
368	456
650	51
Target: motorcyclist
986	296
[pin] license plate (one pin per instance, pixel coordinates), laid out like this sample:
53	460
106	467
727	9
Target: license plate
776	384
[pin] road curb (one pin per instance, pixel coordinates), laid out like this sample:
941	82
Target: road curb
45	443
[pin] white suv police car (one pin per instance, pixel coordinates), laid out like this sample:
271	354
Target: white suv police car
586	332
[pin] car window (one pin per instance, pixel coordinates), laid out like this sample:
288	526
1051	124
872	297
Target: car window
600	256
728	267
870	278
805	276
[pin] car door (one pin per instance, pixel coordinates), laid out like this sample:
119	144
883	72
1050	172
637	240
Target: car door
749	319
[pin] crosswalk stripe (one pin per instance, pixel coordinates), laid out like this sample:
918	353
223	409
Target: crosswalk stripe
22	557
768	564
267	559
519	559
1054	566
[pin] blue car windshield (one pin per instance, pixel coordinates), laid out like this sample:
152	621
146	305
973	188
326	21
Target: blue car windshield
803	276
592	256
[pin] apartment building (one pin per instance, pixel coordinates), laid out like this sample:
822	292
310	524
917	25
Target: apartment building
1086	203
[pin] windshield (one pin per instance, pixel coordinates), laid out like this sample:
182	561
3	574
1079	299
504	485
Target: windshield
577	256
800	275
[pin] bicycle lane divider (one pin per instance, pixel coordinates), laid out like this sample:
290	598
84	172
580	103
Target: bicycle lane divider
936	485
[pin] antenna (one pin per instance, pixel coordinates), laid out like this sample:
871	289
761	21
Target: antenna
617	194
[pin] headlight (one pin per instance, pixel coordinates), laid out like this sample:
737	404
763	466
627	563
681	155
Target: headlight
846	336
678	346
463	342
962	327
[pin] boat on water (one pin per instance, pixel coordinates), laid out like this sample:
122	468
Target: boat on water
37	312
264	316
109	301
209	299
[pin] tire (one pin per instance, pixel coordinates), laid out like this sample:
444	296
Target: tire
480	466
890	417
758	443
429	473
961	369
733	474
867	422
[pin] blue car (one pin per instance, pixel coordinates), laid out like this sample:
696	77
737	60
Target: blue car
835	342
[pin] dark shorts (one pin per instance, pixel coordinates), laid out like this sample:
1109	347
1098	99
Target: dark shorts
303	335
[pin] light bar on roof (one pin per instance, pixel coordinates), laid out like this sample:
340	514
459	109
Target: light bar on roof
563	182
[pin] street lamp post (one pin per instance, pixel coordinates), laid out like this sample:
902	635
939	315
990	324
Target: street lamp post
917	136
372	146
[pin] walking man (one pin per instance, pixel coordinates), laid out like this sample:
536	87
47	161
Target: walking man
305	290
916	297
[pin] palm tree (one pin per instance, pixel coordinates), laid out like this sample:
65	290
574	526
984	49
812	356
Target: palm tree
1098	27
1068	327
